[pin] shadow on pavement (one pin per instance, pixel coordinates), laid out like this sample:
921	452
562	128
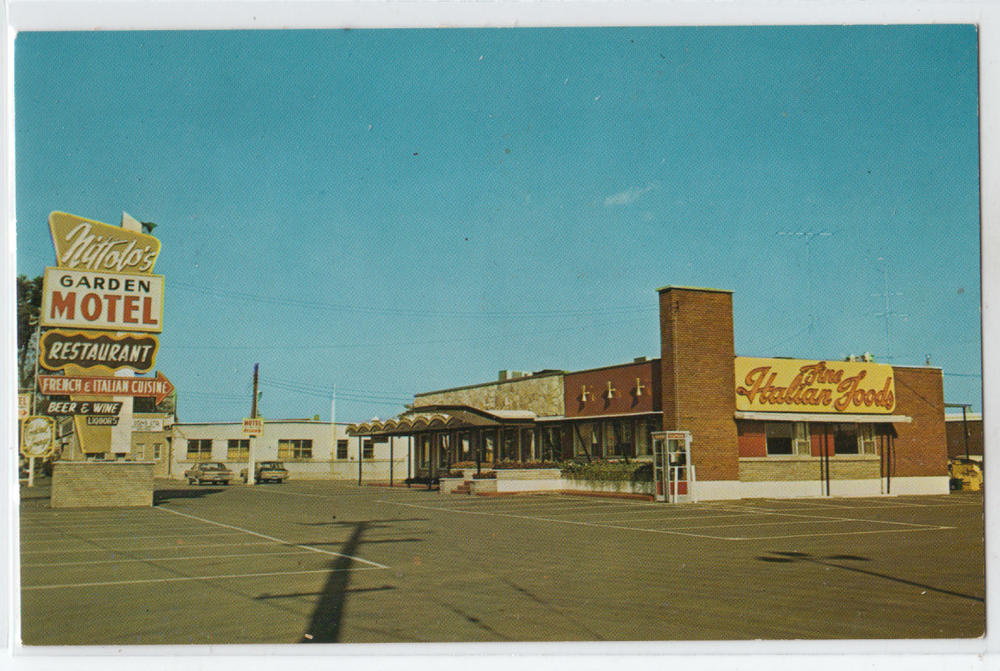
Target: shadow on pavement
324	624
161	495
791	557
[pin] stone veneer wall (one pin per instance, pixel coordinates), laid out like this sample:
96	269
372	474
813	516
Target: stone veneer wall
100	484
541	394
841	468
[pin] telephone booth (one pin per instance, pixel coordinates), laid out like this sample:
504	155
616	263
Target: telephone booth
673	473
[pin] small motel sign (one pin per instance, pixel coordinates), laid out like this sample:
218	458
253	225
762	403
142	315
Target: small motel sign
253	427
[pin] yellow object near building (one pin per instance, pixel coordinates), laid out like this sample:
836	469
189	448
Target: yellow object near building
968	473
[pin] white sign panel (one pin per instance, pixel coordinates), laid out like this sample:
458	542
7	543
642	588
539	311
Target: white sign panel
23	405
147	424
253	426
105	301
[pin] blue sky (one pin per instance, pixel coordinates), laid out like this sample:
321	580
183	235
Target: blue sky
395	211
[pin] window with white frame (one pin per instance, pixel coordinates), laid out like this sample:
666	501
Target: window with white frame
866	439
779	438
238	448
801	442
294	448
199	449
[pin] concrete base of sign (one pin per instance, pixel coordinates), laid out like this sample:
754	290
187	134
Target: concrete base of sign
102	484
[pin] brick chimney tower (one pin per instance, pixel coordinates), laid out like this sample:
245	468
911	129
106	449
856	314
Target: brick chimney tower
698	377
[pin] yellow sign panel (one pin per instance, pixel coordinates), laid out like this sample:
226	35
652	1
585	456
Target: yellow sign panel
798	385
85	244
38	436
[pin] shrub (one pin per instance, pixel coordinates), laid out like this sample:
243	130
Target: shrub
525	464
609	471
485	475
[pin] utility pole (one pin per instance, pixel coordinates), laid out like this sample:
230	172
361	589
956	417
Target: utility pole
808	236
251	464
34	395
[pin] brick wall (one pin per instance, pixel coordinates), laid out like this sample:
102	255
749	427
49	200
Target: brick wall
626	398
751	440
921	446
698	376
97	484
956	437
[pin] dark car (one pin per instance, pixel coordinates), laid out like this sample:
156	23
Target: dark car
209	471
267	471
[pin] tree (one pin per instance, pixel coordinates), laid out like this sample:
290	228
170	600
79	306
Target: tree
29	304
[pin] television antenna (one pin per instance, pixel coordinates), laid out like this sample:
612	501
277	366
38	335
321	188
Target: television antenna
886	312
808	236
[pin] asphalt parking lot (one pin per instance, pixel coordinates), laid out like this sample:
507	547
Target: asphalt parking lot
327	562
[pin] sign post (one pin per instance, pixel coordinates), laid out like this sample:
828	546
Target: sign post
252	427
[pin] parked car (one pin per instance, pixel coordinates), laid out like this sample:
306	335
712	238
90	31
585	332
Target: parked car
267	471
209	471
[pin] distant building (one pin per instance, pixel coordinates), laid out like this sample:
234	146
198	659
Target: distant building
964	437
309	449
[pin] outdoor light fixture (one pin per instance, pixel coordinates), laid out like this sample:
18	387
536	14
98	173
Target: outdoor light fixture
583	393
611	390
639	386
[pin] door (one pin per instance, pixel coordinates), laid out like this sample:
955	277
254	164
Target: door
673	473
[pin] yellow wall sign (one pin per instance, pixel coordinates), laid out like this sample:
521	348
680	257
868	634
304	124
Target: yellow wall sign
798	385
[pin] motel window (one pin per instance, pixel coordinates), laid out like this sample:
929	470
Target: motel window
779	437
199	449
139	451
866	438
238	448
342	449
157	451
293	449
368	452
845	439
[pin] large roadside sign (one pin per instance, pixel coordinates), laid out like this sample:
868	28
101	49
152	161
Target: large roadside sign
38	436
60	348
106	301
158	387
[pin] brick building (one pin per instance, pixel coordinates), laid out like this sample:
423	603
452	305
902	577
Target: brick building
757	426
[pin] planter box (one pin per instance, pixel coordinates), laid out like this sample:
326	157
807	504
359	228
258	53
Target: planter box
102	484
484	486
608	486
449	485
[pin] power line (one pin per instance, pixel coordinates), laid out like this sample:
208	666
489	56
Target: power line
408	312
439	341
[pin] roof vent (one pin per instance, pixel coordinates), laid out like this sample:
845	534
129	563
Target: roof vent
639	359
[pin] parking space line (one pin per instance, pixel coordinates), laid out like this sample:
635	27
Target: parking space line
549	519
152	559
841	533
271	538
779	522
770	511
109	583
78	537
184	546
